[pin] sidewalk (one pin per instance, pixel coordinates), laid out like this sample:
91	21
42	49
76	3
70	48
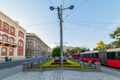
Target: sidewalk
10	71
61	75
110	71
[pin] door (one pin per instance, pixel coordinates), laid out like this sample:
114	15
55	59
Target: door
103	57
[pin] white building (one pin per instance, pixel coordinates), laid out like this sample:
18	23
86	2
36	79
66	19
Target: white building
12	39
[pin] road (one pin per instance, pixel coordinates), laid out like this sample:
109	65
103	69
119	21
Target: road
16	63
10	71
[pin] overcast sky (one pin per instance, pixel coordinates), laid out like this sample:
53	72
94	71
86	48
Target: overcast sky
89	22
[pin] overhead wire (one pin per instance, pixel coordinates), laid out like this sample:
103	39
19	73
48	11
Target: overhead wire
51	2
40	24
93	22
63	3
86	25
84	1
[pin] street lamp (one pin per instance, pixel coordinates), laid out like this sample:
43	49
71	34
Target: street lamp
60	12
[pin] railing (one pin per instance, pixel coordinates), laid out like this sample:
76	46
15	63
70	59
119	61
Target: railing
8	43
95	67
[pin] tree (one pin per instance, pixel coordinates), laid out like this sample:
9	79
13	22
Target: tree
100	46
67	52
72	51
116	35
56	52
77	50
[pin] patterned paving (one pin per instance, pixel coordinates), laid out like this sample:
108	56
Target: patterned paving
61	75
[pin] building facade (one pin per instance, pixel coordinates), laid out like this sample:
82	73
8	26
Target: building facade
12	39
35	47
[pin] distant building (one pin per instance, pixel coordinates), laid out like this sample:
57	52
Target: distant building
12	39
35	47
67	47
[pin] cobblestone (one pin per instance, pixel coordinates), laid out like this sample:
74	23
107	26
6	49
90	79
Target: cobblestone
61	75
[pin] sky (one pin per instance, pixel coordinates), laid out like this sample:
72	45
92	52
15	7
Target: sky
89	22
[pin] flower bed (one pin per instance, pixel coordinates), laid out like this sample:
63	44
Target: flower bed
48	63
67	64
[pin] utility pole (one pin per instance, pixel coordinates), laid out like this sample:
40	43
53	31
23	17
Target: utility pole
60	12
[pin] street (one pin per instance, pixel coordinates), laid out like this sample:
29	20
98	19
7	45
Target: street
16	63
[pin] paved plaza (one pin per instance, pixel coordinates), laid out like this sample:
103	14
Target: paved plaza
61	75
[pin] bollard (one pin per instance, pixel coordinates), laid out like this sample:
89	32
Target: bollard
31	64
89	62
97	65
81	66
25	66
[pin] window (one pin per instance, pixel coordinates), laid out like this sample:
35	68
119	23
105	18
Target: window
5	38
20	43
91	55
4	51
12	29
28	40
111	55
118	55
96	55
5	26
20	47
11	52
21	34
11	40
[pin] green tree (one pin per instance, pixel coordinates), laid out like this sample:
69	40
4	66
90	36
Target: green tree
116	35
72	51
56	52
67	52
77	50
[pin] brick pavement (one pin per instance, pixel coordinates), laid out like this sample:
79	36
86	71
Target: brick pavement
61	75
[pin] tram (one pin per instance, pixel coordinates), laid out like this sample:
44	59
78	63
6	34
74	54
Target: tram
110	57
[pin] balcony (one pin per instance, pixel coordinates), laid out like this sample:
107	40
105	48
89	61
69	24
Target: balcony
1	42
13	44
8	44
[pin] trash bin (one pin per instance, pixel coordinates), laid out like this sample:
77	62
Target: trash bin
8	59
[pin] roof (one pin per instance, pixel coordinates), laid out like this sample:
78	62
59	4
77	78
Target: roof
89	52
34	35
112	50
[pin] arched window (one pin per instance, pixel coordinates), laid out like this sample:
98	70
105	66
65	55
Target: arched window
11	40
4	51
20	47
5	38
11	52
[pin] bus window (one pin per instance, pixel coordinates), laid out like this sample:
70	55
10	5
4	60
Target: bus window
90	55
95	55
111	55
118	55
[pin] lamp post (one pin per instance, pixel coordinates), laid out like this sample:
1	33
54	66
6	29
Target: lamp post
60	12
